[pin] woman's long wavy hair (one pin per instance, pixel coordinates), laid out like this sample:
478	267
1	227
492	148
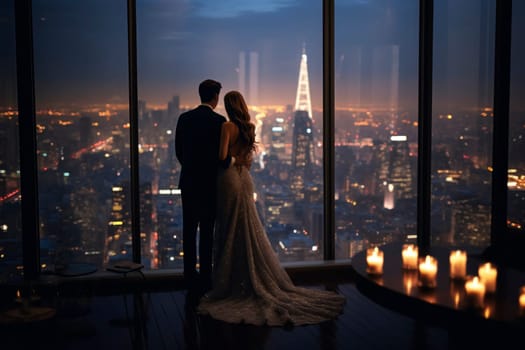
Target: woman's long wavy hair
238	114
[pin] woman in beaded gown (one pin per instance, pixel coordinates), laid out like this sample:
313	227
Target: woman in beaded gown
249	284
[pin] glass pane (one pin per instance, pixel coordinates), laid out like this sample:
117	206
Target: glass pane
10	210
376	69
462	123
516	184
82	133
256	48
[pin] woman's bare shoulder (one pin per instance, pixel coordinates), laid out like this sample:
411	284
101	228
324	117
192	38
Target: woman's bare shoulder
230	126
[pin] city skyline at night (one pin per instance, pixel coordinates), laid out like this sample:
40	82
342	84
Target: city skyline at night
83	122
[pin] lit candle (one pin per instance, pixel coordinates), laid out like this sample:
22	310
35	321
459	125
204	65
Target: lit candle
409	255
522	301
427	271
475	292
374	261
458	264
488	274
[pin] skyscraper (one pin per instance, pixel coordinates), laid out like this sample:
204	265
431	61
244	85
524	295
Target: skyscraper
302	99
303	138
302	154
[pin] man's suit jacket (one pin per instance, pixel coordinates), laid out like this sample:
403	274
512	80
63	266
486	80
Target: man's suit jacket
197	138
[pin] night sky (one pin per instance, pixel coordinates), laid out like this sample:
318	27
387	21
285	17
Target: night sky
81	47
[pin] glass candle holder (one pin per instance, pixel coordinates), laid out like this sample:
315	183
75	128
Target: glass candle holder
374	261
409	255
428	268
458	264
474	292
488	275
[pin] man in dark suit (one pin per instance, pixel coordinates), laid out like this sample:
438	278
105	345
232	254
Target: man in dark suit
197	137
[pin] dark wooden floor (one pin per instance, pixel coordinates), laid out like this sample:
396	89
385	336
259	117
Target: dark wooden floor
163	320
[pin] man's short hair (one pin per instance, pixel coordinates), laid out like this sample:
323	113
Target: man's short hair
208	88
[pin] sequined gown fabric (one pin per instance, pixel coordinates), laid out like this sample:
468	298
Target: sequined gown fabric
250	285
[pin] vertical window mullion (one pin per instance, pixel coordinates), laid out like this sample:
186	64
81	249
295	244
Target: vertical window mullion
133	119
426	13
27	134
501	121
328	129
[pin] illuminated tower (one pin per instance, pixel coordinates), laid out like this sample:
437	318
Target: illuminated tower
302	99
303	140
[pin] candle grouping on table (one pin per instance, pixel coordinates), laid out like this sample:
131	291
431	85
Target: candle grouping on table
409	255
488	275
374	261
458	264
474	292
428	271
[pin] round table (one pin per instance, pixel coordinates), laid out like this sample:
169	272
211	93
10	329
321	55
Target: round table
446	304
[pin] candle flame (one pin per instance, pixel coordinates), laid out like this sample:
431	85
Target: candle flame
487	267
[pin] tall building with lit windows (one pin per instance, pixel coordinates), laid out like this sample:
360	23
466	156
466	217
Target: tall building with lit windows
395	170
302	153
278	139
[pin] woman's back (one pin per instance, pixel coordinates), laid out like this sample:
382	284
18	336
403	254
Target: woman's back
236	148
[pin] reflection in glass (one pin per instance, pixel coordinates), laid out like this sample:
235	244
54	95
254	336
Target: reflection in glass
410	278
457	292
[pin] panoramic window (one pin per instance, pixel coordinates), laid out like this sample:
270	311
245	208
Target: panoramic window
272	53
376	71
10	210
516	183
462	123
81	88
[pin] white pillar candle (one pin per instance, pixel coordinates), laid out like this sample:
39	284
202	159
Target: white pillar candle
474	292
374	261
488	274
427	271
409	256
458	264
